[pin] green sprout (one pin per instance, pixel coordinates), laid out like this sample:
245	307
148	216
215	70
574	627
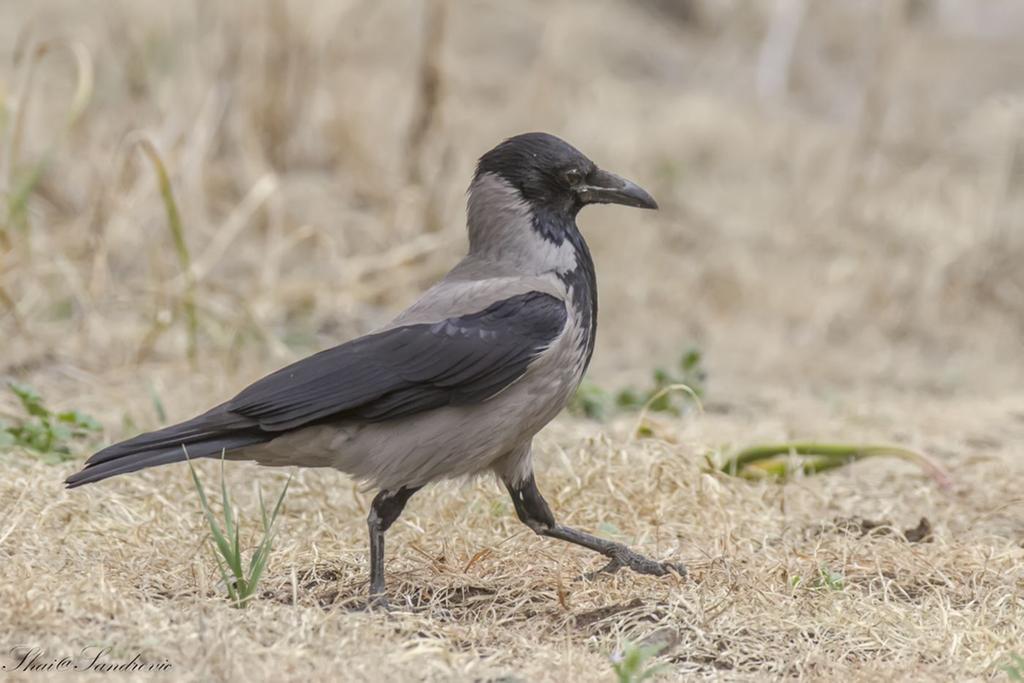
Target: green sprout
241	583
631	664
1014	667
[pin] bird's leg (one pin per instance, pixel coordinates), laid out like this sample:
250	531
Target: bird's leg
385	509
533	511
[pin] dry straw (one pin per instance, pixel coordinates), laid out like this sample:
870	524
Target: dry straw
843	246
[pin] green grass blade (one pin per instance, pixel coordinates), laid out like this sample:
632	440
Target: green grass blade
230	584
630	665
268	524
262	554
236	554
259	562
280	500
218	536
661	394
180	244
764	459
158	404
229	522
263	512
1014	667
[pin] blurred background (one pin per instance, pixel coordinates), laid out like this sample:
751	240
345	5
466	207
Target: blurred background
841	183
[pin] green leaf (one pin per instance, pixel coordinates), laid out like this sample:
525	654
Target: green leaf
58	433
628	398
630	664
1014	667
661	404
30	399
158	404
258	564
829	579
590	401
218	536
80	420
230	530
690	360
229	582
277	505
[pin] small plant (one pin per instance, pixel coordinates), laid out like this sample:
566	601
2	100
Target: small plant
825	580
591	401
1014	667
631	664
672	391
241	584
830	580
44	432
659	399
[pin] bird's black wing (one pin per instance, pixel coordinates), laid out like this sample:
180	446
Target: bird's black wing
394	373
408	369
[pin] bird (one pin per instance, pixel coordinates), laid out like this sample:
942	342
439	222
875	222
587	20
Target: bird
456	385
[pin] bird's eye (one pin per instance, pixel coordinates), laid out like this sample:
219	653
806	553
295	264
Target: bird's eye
574	176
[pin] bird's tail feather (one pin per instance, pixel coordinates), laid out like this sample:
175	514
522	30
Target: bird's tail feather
200	437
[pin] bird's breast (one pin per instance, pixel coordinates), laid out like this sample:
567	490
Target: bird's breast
554	377
578	340
581	298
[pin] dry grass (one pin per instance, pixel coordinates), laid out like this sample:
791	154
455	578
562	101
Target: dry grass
841	234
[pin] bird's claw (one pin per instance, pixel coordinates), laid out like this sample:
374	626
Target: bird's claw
624	557
378	602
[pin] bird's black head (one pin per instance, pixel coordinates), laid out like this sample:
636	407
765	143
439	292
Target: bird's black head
556	179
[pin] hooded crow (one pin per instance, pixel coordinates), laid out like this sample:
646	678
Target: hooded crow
457	384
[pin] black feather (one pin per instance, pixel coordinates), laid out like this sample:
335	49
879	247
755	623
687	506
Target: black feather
408	369
383	376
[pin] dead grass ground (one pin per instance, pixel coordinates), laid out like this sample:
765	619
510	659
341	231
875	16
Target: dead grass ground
843	243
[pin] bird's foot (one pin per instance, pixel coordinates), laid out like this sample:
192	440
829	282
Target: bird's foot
622	556
619	556
378	602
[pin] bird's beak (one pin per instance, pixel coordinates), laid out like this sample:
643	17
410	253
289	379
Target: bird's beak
607	188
